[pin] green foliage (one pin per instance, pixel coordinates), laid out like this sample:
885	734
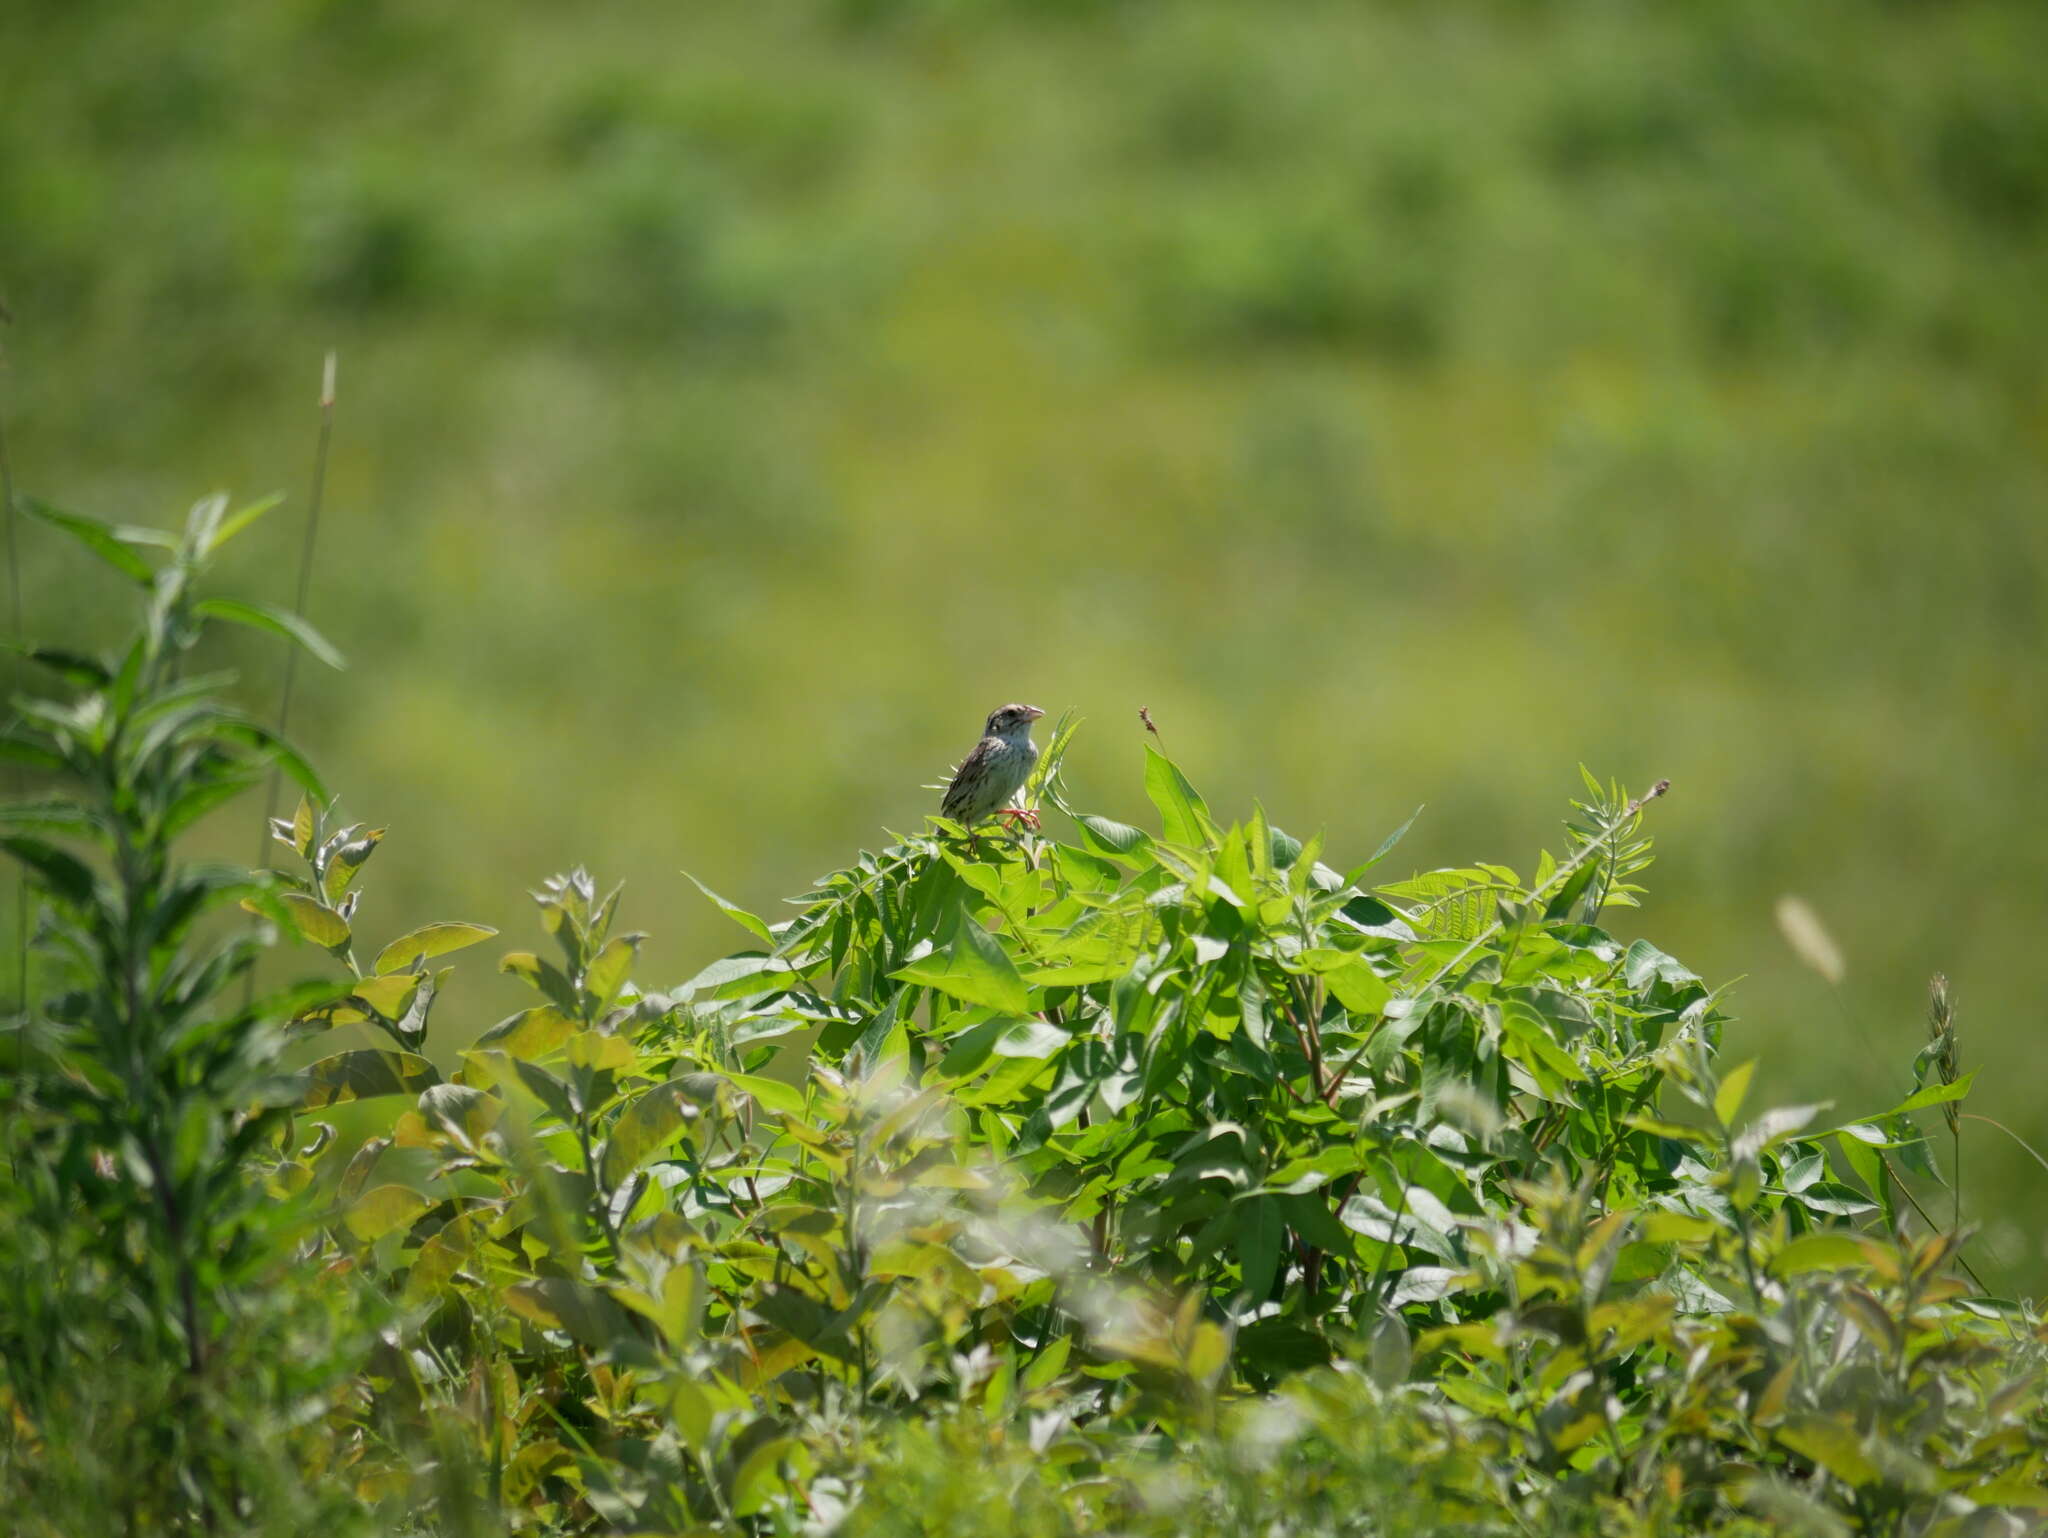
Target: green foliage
1086	1179
1164	1180
1346	373
143	1242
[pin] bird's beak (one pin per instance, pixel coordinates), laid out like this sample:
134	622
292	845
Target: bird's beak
1035	711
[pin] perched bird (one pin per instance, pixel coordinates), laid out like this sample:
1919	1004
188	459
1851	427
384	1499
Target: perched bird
995	771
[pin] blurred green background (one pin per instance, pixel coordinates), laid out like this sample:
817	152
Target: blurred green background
1406	402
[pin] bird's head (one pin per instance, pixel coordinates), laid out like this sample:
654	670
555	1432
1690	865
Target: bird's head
1011	720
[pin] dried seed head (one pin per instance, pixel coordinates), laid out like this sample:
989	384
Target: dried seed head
1941	1030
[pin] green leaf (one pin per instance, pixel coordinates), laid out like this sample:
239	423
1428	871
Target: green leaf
773	1094
1360	989
278	622
363	1075
1869	1167
733	911
606	974
316	925
531	1033
390	997
545	978
1728	1098
60	817
1836	1199
277	750
382	1209
66	876
350	858
430	940
1258	1233
231	525
1934	1094
114	545
1030	1038
1353	876
74	668
1677	1132
974	968
1826	1251
1832	1444
646	1126
1530	1040
1107	836
1182	813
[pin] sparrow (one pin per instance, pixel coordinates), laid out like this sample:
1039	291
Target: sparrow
995	770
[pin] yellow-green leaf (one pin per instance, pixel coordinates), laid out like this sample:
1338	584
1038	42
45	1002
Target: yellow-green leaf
383	1208
1728	1099
1818	1252
430	940
316	925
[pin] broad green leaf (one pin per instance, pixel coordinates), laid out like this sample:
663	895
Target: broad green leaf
1836	1199
388	996
1031	1038
1106	836
363	1075
773	1094
531	1033
646	1126
1644	964
316	924
1832	1444
1359	988
1258	1234
1775	1125
1728	1098
382	1209
974	968
430	940
1182	814
768	1471
1827	1251
606	974
595	1050
1528	1031
1675	1228
278	622
350	858
1934	1094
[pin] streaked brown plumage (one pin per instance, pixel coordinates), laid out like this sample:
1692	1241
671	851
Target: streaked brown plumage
996	769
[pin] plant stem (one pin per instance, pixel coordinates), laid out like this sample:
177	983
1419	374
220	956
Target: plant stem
15	627
291	654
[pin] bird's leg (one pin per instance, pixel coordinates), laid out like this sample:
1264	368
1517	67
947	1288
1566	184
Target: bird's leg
1025	816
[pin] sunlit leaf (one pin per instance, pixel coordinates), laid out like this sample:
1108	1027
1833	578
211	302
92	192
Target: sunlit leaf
430	940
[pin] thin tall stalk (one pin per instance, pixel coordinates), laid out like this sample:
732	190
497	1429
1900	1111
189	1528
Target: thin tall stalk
20	637
299	601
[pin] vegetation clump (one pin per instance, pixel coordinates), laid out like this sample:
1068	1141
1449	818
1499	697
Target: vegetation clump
1096	1180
